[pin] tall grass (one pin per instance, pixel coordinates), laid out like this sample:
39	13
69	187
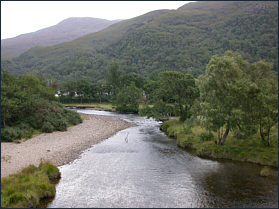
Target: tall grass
250	149
101	106
26	188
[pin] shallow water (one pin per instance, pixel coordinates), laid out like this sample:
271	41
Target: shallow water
148	169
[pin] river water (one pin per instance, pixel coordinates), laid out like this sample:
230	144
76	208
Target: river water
142	167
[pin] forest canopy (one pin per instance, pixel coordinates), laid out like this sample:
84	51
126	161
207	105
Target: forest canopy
181	40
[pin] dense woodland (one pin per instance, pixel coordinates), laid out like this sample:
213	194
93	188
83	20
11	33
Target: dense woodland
182	40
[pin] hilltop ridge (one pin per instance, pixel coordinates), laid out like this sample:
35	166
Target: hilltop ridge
183	40
66	30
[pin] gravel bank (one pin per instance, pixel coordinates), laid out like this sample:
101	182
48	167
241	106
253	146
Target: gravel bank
59	147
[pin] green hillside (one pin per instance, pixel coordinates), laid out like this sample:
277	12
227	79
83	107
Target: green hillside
183	40
66	30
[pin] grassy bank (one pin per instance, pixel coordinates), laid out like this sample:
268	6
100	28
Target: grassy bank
97	106
25	189
250	149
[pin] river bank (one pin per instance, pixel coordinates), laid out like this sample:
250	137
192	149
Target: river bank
250	149
59	148
92	106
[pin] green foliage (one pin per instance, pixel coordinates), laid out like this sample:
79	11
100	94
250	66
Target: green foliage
249	149
113	77
182	40
237	96
133	77
8	134
128	99
206	136
47	127
160	110
73	118
264	98
31	169
173	93
174	127
50	170
29	186
28	104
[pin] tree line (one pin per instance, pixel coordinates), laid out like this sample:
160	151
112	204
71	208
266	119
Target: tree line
232	96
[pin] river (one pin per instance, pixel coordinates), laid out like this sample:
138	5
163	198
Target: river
142	167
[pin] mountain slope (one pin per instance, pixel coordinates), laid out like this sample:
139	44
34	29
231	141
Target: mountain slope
66	30
182	40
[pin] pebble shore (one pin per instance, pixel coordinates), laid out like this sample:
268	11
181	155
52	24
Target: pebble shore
59	148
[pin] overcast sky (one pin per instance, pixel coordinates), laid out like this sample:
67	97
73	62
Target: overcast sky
19	17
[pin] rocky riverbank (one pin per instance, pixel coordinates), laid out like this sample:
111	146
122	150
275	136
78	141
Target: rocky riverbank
59	148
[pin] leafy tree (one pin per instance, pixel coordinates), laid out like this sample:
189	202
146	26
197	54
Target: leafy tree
11	97
238	96
136	78
128	99
69	88
113	77
160	110
34	85
220	93
264	98
182	89
174	92
86	90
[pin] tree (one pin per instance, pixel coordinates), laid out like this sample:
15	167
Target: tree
128	99
238	96
11	97
69	87
173	93
182	89
264	99
221	93
136	78
86	90
113	77
36	87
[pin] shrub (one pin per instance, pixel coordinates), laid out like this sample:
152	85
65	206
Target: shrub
187	130
206	136
45	116
47	127
8	134
50	170
24	126
30	120
73	117
62	125
28	133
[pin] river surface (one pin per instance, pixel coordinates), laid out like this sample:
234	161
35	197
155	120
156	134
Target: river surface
142	167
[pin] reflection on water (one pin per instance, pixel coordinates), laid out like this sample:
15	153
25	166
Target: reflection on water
149	170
